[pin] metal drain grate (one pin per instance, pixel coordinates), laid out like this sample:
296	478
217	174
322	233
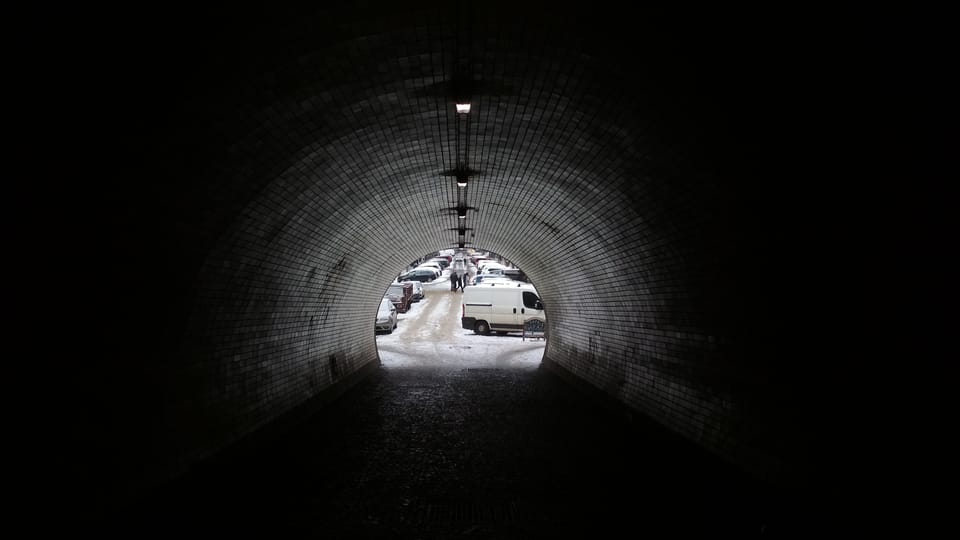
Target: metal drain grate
468	512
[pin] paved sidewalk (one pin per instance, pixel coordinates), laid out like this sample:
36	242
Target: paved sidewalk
464	453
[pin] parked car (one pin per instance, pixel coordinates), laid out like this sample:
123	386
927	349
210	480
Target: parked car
502	307
419	274
433	265
386	316
417	290
515	274
488	266
490	278
442	261
400	294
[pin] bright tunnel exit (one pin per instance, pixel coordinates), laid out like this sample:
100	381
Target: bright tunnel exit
430	310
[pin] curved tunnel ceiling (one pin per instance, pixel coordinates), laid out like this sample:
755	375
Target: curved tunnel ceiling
285	168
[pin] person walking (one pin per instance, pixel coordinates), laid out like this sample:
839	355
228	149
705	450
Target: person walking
454	281
460	269
461	278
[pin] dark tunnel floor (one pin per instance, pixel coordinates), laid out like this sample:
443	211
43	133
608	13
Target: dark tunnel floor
474	453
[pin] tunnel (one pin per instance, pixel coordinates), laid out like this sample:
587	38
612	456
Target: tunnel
254	179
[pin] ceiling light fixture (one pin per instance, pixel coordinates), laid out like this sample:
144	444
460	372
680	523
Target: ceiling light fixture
463	108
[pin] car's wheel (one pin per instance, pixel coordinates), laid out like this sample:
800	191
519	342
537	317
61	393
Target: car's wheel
482	328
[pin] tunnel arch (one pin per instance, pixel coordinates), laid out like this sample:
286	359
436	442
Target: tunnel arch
347	183
283	167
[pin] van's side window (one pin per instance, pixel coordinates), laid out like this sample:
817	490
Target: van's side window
531	300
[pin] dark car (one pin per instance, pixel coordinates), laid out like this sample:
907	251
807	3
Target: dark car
417	290
401	294
419	274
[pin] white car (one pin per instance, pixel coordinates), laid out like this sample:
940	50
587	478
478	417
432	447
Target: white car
490	278
386	317
486	267
442	261
431	266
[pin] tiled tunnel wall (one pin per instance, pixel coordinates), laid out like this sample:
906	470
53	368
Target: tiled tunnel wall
286	177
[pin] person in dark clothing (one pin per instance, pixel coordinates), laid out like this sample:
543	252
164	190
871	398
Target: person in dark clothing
454	281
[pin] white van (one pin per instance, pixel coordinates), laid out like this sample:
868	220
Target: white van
501	307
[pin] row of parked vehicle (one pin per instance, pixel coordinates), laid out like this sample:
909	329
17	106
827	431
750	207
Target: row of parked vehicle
408	287
499	298
407	290
396	300
428	270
